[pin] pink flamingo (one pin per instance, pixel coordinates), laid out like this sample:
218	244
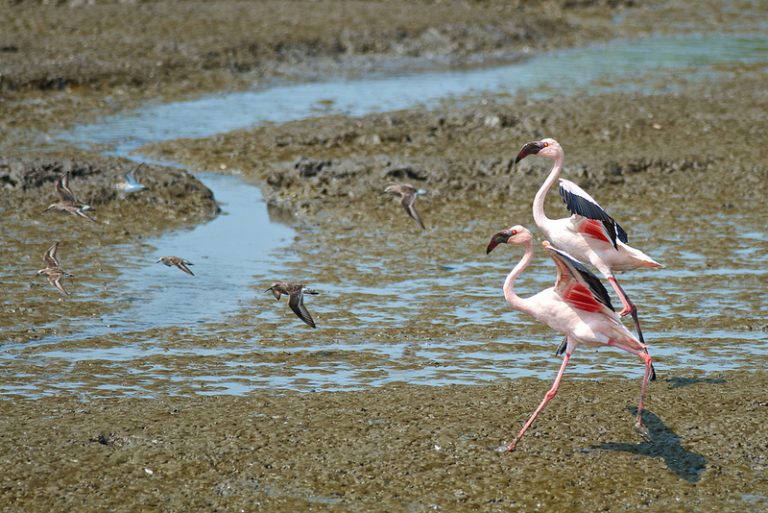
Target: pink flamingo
577	306
590	234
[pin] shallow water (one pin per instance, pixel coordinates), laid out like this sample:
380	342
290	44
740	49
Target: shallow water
385	314
554	72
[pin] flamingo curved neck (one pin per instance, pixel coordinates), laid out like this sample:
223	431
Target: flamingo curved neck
539	217
517	302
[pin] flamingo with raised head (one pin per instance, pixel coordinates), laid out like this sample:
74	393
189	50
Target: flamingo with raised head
590	234
578	306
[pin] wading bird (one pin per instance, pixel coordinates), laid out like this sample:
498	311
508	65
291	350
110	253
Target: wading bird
408	194
590	234
68	201
53	268
178	262
578	306
129	184
296	292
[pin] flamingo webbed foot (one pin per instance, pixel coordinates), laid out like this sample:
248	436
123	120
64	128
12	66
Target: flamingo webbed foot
641	429
507	448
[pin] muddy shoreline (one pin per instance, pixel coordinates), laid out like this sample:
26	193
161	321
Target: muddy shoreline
89	441
396	448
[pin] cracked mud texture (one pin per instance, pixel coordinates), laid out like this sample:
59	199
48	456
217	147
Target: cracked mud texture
397	448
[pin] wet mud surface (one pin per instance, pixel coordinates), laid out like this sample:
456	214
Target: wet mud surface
256	412
173	199
396	448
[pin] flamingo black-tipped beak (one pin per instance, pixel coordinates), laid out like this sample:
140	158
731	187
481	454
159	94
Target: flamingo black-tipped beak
531	148
500	238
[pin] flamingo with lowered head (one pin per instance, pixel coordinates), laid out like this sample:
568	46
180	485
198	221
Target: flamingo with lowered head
578	306
590	234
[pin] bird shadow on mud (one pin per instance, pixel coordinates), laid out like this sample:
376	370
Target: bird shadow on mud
662	442
679	382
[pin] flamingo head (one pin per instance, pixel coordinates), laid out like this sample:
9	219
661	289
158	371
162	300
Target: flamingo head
548	148
515	235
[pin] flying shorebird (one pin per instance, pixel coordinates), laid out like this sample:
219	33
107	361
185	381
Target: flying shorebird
590	234
296	292
178	262
68	201
577	306
408	194
130	184
53	269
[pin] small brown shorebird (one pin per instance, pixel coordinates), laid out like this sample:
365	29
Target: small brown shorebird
68	201
53	269
296	292
130	184
178	262
408	194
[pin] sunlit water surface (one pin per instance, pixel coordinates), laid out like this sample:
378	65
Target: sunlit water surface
421	321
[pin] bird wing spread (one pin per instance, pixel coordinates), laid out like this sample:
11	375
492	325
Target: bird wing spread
182	264
79	212
408	202
576	284
130	177
50	256
55	280
62	188
579	202
296	302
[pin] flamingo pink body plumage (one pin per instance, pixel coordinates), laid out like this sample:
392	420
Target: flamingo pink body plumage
586	239
577	306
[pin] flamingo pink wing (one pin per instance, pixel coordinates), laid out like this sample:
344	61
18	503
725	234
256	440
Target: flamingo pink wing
576	284
594	229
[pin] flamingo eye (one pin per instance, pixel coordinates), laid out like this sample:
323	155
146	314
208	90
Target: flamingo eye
513	232
545	144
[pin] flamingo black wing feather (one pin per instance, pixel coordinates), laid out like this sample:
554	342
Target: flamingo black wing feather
578	201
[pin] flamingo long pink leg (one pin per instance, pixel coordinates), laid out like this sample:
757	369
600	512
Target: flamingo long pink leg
547	397
639	426
630	307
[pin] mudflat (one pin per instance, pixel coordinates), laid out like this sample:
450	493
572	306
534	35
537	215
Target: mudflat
675	157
